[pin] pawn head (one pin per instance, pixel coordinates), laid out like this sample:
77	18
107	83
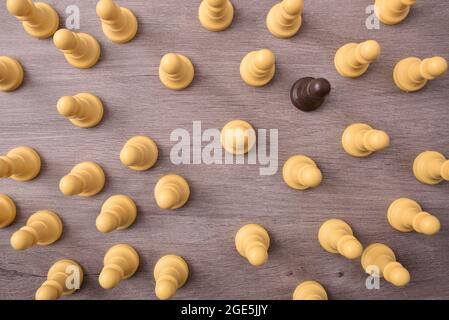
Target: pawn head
106	223
171	63
399	276
167	198
351	248
64	39
379	140
369	50
129	156
437	66
311	177
107	10
165	289
47	293
70	185
67	106
429	225
22	240
18	7
257	255
319	87
293	7
109	278
264	59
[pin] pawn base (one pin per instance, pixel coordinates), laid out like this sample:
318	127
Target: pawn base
229	146
95	112
327	228
401	75
182	83
298	101
395	210
310	290
347	140
280	31
250	230
372	252
7	210
127	33
215	24
247	76
342	66
32	161
420	165
180	183
18	75
64	266
97	172
53	223
128	253
381	9
49	25
126	204
149	145
290	168
173	262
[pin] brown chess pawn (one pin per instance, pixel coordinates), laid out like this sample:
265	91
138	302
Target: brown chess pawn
308	93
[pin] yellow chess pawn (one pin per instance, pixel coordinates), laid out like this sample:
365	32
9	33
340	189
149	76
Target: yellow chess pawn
252	242
120	263
176	71
353	59
238	137
38	19
139	153
216	15
21	164
392	11
431	167
42	228
407	215
310	290
171	192
7	210
117	213
360	140
84	110
11	74
258	67
301	173
170	273
378	259
336	236
63	278
412	74
85	179
119	24
284	19
81	50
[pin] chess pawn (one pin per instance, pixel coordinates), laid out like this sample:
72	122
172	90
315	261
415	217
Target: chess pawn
81	50
7	211
238	137
378	259
120	263
412	74
407	215
176	71
392	11
258	67
252	242
117	213
84	110
353	59
431	167
171	192
310	290
38	19
21	164
139	153
301	173
360	140
56	284
42	228
308	93
335	236
85	179
216	15
170	273
284	18
119	24
11	74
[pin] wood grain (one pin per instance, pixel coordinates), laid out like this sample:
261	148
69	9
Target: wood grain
224	197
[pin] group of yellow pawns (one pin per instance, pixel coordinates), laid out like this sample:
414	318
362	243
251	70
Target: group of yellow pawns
172	191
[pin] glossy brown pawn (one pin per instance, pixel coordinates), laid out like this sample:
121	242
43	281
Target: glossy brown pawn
308	93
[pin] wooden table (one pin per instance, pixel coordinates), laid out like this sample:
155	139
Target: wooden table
225	197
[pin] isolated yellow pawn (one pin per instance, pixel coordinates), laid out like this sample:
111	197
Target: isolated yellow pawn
42	228
392	11
56	284
379	259
407	215
300	172
38	19
310	290
11	74
412	74
7	210
431	167
120	263
21	164
284	18
336	236
85	179
258	67
171	192
252	242
176	71
238	137
353	59
170	273
119	24
360	140
84	110
81	50
117	213
216	15
139	153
